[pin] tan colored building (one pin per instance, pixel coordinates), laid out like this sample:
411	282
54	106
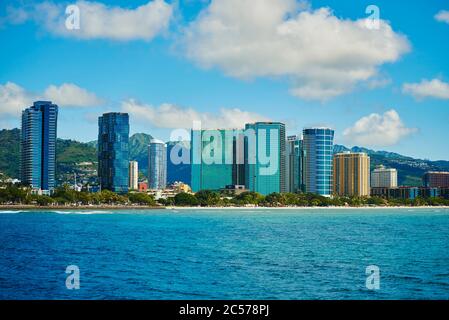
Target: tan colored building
351	174
133	175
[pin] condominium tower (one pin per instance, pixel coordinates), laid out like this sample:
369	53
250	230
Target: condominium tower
38	145
133	175
318	146
157	165
382	177
113	151
351	174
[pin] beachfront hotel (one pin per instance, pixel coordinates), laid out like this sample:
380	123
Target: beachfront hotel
113	152
433	179
351	174
382	177
38	146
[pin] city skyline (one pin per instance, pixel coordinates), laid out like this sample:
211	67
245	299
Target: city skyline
401	103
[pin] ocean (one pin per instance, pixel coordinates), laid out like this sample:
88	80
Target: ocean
225	254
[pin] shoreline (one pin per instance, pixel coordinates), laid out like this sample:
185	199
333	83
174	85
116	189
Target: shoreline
304	208
117	208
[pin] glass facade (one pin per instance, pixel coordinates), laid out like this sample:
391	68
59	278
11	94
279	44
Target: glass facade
294	165
269	142
177	168
38	145
216	159
157	165
318	144
113	151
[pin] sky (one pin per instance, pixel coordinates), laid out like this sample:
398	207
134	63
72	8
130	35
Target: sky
378	75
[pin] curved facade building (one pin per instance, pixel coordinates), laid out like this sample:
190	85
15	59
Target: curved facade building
157	165
318	144
38	145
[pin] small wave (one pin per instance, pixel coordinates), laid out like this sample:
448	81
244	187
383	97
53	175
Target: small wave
12	211
82	212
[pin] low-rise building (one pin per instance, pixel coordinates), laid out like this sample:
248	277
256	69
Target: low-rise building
435	179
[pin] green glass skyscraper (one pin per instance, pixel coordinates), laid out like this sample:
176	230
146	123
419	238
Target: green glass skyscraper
265	162
216	159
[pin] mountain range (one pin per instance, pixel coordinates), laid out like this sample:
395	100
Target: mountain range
71	153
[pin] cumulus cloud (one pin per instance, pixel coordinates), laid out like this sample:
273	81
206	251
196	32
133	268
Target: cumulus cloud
171	116
14	98
427	89
99	21
69	94
378	130
442	16
324	56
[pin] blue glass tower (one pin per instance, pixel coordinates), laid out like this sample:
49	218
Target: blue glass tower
177	169
38	145
113	151
157	165
265	157
318	144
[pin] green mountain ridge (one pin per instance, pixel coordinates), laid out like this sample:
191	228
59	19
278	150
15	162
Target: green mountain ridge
70	153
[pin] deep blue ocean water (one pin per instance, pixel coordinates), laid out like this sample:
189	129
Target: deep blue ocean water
231	254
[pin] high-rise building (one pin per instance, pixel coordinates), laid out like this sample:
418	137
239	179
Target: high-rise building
265	152
318	146
351	174
38	145
113	151
294	166
216	159
382	177
133	175
157	165
178	162
434	179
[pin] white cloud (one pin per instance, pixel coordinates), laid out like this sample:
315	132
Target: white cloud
14	98
378	130
323	56
99	21
442	16
427	89
171	116
69	94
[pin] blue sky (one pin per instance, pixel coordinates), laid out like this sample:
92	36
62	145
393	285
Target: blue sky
386	89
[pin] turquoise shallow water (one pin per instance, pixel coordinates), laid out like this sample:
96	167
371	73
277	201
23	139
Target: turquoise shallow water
231	254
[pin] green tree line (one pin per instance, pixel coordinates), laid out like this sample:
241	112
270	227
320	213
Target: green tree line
208	198
64	196
204	198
